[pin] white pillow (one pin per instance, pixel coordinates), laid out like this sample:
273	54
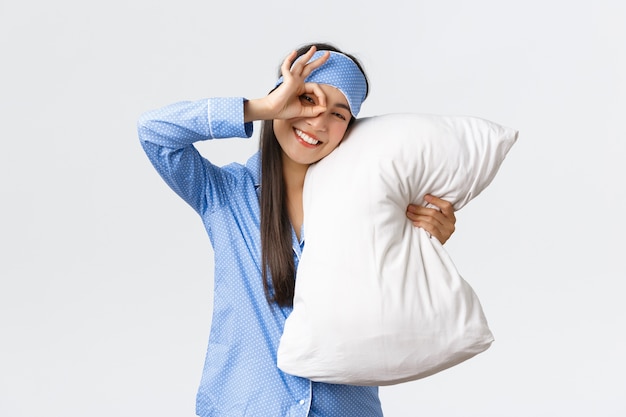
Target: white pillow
377	300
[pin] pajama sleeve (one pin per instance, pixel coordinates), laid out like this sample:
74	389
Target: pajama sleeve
167	136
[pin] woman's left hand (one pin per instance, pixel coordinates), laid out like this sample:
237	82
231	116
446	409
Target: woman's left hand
439	223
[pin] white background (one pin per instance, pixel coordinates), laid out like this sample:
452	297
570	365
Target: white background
106	275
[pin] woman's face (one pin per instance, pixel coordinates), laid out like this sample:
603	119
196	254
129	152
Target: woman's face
305	140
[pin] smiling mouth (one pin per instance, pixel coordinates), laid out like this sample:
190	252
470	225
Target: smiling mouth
306	138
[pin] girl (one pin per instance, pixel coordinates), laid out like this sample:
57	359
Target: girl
253	215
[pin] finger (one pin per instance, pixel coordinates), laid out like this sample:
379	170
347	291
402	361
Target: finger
434	229
425	212
312	111
421	220
285	67
302	61
315	90
443	205
446	208
433	216
431	220
308	68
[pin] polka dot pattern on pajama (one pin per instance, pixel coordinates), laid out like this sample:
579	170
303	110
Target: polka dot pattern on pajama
240	377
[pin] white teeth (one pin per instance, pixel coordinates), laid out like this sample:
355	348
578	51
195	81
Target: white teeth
308	139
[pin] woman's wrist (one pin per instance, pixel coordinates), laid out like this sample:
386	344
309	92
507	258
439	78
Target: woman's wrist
256	109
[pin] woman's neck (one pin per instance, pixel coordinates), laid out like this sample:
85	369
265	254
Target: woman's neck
293	173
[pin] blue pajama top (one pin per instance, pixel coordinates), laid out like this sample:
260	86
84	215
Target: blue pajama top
240	376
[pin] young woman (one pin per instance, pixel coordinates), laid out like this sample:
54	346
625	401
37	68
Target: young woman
253	215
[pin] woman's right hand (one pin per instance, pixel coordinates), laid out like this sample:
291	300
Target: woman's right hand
294	97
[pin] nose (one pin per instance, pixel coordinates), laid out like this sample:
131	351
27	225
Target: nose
318	122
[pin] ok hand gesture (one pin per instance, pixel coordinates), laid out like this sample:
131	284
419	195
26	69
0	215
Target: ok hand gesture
285	101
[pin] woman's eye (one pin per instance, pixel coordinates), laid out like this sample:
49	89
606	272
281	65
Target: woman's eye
307	98
341	116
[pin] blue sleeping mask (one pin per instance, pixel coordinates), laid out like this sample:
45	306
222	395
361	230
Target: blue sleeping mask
342	73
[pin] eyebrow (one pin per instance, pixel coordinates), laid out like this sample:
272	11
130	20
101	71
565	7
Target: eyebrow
343	106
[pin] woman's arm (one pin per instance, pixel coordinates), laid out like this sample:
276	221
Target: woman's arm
167	135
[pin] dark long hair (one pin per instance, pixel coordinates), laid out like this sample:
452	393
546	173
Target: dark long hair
276	238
